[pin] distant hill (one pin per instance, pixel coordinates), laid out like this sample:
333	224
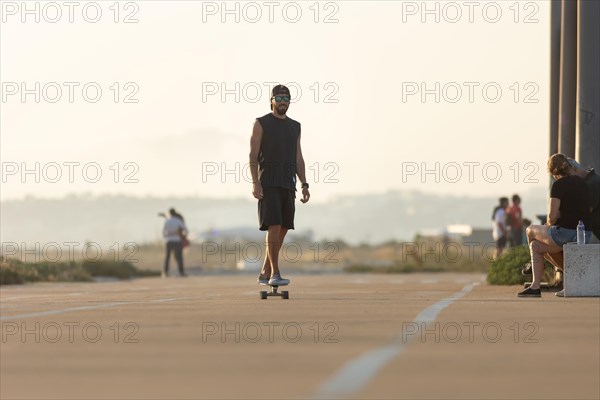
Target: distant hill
371	218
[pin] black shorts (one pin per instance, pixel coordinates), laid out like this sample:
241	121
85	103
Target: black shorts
276	208
501	242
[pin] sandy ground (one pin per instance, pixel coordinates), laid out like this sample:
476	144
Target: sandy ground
352	336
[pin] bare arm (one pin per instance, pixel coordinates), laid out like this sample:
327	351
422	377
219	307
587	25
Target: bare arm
255	141
301	171
553	213
183	229
300	168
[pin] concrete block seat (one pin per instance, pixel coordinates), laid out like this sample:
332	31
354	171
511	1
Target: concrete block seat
582	270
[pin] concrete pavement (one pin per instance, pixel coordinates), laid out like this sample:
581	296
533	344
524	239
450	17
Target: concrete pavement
345	335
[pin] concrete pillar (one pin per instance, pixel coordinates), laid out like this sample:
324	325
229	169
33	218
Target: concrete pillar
588	85
568	78
555	20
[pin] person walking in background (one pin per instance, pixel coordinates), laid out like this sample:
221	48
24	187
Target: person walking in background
592	180
499	231
514	220
569	204
275	160
174	233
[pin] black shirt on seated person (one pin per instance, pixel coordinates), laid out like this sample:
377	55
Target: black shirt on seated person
574	202
592	180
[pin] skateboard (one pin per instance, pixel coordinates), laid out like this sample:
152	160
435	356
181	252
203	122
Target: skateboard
264	294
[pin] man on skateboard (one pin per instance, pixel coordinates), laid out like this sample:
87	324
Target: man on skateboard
275	160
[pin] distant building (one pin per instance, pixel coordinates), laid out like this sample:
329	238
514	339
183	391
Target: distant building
458	234
481	236
249	265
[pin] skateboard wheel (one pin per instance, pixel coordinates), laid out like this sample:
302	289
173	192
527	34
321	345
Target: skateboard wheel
285	294
263	295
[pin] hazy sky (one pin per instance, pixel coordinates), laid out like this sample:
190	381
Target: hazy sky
357	80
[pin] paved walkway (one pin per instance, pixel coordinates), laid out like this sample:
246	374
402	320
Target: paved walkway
339	336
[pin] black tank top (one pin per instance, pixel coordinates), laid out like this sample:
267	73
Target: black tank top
574	202
277	156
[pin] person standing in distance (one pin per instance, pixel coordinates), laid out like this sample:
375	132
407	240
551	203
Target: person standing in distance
499	231
275	160
173	230
515	221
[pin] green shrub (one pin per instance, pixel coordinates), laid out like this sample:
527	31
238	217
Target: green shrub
10	274
58	272
16	272
394	269
117	269
506	270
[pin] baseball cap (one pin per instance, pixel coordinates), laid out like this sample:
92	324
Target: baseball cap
280	90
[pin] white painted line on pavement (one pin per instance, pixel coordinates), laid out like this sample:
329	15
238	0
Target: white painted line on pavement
32	296
82	308
356	374
396	281
24	297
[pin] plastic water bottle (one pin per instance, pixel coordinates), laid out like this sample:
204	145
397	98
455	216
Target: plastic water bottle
580	233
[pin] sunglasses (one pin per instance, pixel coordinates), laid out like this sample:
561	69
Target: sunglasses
282	98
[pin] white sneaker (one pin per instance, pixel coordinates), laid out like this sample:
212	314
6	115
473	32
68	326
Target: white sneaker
560	294
277	280
263	279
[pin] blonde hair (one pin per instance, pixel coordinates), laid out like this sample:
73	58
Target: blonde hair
558	164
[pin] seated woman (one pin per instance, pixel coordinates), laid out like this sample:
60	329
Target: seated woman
568	204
